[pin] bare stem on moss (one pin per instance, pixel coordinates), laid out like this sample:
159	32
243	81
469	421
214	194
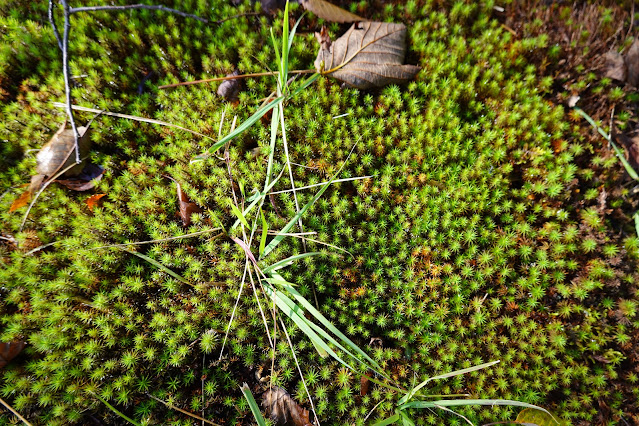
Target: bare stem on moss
10	408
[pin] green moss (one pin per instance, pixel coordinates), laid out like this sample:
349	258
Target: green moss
471	243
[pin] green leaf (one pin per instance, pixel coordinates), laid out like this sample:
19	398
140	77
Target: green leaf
286	262
241	128
264	234
116	411
255	409
157	265
389	421
240	216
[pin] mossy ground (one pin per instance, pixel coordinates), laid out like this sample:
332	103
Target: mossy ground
483	235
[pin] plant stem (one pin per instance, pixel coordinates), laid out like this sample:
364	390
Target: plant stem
8	407
65	73
234	77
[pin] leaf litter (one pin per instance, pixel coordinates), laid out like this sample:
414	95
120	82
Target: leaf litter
330	12
283	409
369	54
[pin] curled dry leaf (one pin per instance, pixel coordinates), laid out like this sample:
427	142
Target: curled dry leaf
329	12
632	64
89	178
230	89
364	384
615	66
58	153
283	410
370	54
94	200
186	206
10	350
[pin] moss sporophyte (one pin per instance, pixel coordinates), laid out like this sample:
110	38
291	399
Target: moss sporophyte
406	232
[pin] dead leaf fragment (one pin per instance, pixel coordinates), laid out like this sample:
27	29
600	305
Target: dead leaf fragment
632	64
94	200
329	12
10	350
283	410
186	206
21	201
615	66
368	55
58	153
364	384
89	178
230	89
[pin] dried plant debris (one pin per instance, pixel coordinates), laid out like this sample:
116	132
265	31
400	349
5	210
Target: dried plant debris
186	206
89	177
370	54
632	64
329	11
10	350
230	89
615	66
283	410
94	201
57	154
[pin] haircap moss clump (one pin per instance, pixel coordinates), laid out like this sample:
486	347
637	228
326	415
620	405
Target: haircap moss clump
472	242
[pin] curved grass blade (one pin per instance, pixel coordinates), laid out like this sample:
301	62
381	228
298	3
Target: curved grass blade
288	261
255	409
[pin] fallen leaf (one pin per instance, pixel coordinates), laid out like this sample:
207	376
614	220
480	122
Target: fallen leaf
36	183
615	66
10	350
89	178
283	410
631	146
93	200
368	55
364	384
323	38
58	153
329	12
21	201
230	89
632	64
186	206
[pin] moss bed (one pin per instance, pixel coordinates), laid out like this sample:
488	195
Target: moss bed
484	234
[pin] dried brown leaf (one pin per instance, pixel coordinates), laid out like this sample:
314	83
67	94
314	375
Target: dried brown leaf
370	54
364	384
632	64
329	12
283	410
94	200
57	154
10	350
186	206
615	66
21	201
230	89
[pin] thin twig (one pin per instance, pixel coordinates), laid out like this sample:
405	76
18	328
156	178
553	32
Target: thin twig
66	73
10	408
320	184
233	77
136	6
237	16
195	416
53	25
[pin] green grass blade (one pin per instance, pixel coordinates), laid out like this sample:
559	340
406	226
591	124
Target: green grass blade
279	237
257	200
293	31
118	412
157	265
636	216
264	234
406	421
389	421
328	325
288	261
293	312
240	216
255	409
413	391
632	172
241	128
461	402
285	49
